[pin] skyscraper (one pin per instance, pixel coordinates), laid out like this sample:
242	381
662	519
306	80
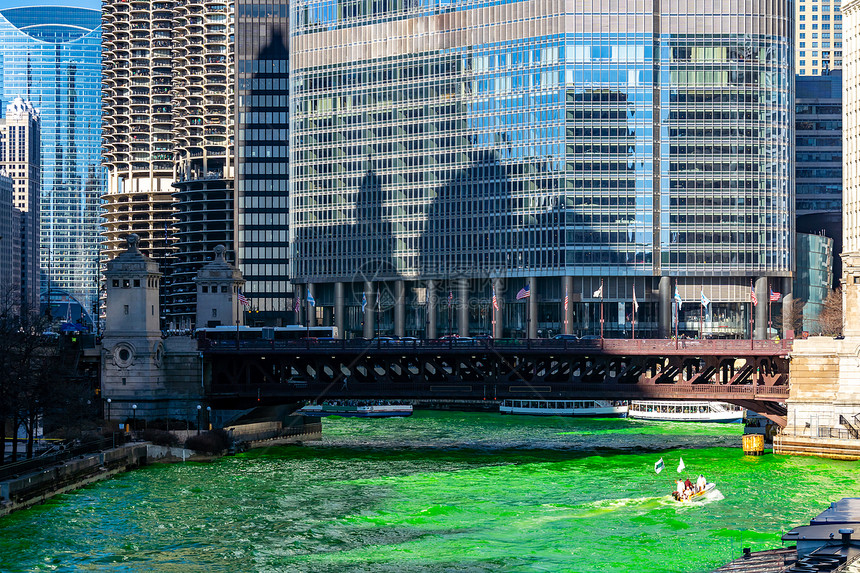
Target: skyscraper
597	152
20	158
50	56
262	157
818	35
169	82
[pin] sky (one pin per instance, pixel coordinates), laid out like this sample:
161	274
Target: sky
94	4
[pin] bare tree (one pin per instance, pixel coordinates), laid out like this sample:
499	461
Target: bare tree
830	317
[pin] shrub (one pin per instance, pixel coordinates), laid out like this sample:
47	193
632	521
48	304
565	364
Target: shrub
212	442
160	437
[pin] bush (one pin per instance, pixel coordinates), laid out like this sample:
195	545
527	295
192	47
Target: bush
213	442
160	437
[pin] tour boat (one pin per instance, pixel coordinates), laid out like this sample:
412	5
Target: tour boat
709	487
356	410
602	408
686	411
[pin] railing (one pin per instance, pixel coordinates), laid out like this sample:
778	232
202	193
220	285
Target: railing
610	346
826	432
852	431
16	469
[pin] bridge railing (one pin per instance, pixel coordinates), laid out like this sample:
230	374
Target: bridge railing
609	345
823	432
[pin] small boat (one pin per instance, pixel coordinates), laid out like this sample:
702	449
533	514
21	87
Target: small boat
669	411
601	408
709	487
356	410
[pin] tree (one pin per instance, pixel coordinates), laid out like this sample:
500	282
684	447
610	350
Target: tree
830	317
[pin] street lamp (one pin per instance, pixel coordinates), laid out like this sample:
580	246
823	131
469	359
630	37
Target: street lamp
208	418
199	407
133	418
108	416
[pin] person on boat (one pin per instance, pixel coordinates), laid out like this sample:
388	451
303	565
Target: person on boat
688	485
701	483
679	489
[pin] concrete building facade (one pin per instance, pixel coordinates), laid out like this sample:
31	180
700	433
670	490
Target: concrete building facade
818	36
20	158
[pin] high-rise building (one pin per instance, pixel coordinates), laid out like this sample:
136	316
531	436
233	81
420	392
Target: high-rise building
818	36
203	113
9	256
851	172
818	153
169	110
138	124
20	158
50	56
262	158
605	155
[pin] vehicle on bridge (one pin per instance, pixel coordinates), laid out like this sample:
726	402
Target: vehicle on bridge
596	408
264	336
684	411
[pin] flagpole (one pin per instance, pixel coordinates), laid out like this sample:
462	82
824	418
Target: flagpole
701	317
677	313
601	312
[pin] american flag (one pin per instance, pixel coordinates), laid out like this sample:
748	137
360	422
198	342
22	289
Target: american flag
566	301
495	300
775	296
243	299
753	297
524	293
450	297
298	306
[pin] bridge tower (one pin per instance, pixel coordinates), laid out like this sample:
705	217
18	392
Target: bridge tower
218	287
146	374
132	348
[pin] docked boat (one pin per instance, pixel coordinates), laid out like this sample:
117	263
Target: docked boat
597	408
686	411
348	410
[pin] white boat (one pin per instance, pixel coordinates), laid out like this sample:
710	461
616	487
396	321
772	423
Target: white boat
356	411
601	408
686	411
696	495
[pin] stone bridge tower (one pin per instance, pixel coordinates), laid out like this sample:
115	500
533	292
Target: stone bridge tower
144	374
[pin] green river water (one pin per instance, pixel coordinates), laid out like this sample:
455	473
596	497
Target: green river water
437	492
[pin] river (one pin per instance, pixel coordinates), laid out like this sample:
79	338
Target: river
437	492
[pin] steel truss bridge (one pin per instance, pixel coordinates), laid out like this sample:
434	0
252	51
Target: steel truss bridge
751	374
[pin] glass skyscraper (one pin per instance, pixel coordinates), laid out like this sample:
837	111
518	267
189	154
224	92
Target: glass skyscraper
51	57
449	153
262	158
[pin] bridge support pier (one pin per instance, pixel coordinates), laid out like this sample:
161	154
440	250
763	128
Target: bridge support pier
787	307
567	313
761	296
370	310
498	315
533	308
665	307
399	308
339	309
463	307
430	310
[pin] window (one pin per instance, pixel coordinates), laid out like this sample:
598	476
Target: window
116	282
125	309
137	282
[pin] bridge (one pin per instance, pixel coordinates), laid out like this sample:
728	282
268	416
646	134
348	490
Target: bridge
750	373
